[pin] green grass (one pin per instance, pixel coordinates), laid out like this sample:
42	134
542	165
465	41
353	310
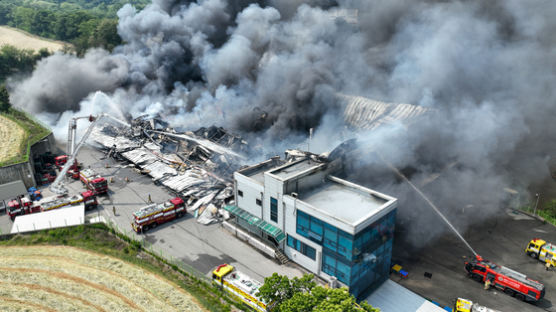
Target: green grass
34	131
547	212
104	240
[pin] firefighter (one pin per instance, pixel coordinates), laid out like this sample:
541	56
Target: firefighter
150	200
547	265
487	284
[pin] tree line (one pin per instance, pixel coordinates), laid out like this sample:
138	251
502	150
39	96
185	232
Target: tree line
83	23
14	61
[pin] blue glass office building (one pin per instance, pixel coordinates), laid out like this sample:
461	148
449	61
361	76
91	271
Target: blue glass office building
330	226
361	261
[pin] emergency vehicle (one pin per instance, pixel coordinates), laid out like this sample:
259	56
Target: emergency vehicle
60	161
23	206
93	181
20	206
73	171
54	202
540	249
507	280
241	286
155	214
464	305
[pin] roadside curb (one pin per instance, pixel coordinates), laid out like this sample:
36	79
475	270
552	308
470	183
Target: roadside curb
531	215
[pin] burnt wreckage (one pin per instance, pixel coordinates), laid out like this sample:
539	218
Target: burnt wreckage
197	166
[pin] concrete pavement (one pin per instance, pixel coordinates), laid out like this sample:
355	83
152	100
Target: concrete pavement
202	247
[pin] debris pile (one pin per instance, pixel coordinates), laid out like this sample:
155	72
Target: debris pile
197	166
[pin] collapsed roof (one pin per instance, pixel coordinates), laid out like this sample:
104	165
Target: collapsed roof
197	166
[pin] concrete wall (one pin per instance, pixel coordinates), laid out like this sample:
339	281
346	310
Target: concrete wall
21	171
251	191
273	188
25	171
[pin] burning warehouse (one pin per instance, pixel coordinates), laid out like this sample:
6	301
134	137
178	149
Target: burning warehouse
197	166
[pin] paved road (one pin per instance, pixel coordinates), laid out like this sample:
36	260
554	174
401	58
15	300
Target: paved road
202	247
501	240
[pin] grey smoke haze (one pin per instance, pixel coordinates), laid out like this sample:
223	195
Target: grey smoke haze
270	70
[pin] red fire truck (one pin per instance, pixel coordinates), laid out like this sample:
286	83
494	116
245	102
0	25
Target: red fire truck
155	214
20	206
507	280
50	203
93	181
60	161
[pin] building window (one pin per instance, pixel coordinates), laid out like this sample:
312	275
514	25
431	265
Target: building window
332	265
273	209
302	248
258	202
310	227
239	193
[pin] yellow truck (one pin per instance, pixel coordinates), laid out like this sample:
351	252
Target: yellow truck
466	305
540	249
241	286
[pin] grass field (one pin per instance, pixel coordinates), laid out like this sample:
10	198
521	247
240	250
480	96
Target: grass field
16	145
12	136
23	40
87	268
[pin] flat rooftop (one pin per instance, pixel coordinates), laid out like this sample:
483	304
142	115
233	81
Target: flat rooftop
291	170
343	202
256	172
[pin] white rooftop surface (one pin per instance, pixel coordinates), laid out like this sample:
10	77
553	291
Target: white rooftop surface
292	170
393	297
257	171
342	202
61	217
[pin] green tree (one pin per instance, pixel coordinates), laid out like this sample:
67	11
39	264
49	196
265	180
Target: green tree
4	99
280	288
550	206
302	295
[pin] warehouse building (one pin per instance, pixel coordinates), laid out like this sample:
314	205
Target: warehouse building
338	230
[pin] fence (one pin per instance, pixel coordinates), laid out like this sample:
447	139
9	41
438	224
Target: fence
156	252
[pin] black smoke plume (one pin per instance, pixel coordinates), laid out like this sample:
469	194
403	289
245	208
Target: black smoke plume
272	70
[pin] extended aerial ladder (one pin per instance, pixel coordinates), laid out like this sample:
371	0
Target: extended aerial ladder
58	186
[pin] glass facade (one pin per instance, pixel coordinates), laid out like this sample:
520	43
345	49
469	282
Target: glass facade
362	261
273	209
302	248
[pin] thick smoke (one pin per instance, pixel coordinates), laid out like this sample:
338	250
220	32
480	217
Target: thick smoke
272	69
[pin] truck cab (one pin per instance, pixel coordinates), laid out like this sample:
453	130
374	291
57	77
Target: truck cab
542	250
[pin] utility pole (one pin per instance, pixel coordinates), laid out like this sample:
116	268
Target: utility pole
535	211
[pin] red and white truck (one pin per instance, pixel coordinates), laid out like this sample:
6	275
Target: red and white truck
153	215
60	161
93	181
507	280
20	206
25	206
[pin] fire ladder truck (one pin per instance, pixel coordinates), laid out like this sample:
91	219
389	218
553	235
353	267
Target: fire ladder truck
58	186
153	215
88	198
241	286
23	206
509	281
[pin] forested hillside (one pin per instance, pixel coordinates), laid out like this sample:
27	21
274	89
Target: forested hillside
84	23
